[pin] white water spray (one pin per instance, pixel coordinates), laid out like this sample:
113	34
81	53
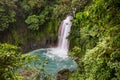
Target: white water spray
64	30
57	58
63	44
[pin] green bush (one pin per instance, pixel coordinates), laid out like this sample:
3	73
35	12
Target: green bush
99	29
7	13
10	60
14	66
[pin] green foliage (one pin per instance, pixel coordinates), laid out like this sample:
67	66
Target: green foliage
98	41
31	4
9	62
55	9
38	17
99	61
7	13
35	21
14	66
65	7
74	52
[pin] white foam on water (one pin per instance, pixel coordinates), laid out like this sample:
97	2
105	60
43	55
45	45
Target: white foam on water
63	44
53	52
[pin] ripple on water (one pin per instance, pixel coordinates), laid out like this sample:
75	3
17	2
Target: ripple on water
57	60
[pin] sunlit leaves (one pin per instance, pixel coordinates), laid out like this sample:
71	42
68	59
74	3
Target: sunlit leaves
9	61
14	66
99	41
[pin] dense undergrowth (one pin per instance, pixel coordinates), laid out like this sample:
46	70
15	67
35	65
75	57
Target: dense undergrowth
95	37
10	59
15	66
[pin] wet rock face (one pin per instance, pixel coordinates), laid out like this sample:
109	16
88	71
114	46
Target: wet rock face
45	42
63	74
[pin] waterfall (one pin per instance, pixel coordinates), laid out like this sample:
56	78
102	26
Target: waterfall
62	48
57	57
63	44
64	30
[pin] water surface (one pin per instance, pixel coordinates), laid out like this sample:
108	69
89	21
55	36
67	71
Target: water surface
55	62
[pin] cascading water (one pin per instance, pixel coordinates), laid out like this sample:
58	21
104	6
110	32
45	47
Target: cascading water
58	58
63	44
64	30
